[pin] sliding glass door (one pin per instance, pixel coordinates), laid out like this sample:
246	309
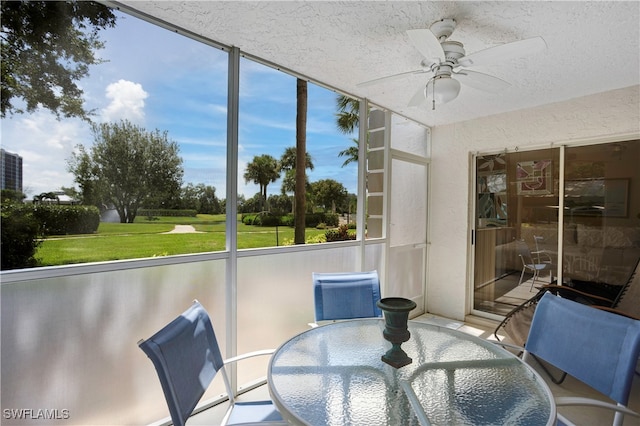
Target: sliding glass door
522	241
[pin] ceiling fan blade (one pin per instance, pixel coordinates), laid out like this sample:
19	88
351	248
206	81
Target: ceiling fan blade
391	77
503	52
427	44
481	81
418	98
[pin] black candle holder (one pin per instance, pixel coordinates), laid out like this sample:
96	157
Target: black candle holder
396	315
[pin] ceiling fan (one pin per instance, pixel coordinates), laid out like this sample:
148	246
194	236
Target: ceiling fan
446	61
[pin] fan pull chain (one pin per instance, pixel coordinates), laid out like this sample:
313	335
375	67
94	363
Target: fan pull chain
433	90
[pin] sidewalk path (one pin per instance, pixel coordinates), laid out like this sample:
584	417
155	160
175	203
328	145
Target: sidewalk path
183	229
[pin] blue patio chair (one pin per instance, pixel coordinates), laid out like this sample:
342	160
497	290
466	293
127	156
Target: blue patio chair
186	357
599	348
346	295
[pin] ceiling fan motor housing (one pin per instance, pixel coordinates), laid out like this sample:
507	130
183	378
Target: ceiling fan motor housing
453	50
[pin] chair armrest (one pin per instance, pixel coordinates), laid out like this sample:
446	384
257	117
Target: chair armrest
569	400
249	355
596	300
616	311
507	345
543	253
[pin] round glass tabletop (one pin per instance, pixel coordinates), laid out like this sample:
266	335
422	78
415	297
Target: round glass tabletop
334	375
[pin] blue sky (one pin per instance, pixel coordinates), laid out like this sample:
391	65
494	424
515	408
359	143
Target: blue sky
158	79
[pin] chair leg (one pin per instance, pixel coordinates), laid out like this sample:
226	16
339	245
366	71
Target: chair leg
533	281
521	276
618	418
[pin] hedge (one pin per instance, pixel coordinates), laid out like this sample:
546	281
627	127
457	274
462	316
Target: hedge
312	220
19	236
55	219
167	212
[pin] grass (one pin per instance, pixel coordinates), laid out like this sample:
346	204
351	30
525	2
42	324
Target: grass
144	238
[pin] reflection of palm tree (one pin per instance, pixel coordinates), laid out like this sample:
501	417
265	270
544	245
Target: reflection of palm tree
347	119
262	171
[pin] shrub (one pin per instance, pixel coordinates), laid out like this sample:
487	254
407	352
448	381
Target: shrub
266	219
314	219
57	219
247	219
340	234
19	236
287	220
331	219
316	239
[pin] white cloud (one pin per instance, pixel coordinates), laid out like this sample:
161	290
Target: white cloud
45	144
126	102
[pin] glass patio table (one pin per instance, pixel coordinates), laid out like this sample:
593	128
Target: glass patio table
333	375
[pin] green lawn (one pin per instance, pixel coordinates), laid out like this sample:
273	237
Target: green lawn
116	241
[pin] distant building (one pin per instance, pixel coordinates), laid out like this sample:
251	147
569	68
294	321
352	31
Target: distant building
56	197
11	173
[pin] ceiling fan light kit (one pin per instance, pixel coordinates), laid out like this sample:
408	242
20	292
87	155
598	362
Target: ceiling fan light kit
446	59
442	89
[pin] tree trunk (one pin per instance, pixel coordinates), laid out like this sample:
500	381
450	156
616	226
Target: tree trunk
301	164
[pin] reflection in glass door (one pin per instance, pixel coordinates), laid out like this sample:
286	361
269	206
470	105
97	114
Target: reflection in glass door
601	238
516	227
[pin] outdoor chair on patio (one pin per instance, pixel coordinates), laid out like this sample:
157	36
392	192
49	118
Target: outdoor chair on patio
598	348
541	262
345	295
624	302
186	356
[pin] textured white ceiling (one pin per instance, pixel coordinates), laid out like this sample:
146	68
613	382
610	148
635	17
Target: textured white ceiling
592	46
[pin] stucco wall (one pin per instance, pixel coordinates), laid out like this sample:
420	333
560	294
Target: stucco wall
613	115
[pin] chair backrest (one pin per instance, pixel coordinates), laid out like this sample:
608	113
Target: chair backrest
538	239
186	356
617	282
346	295
598	348
628	299
524	251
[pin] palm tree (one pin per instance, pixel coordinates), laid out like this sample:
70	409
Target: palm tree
262	171
351	153
301	158
288	160
347	119
288	165
348	115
